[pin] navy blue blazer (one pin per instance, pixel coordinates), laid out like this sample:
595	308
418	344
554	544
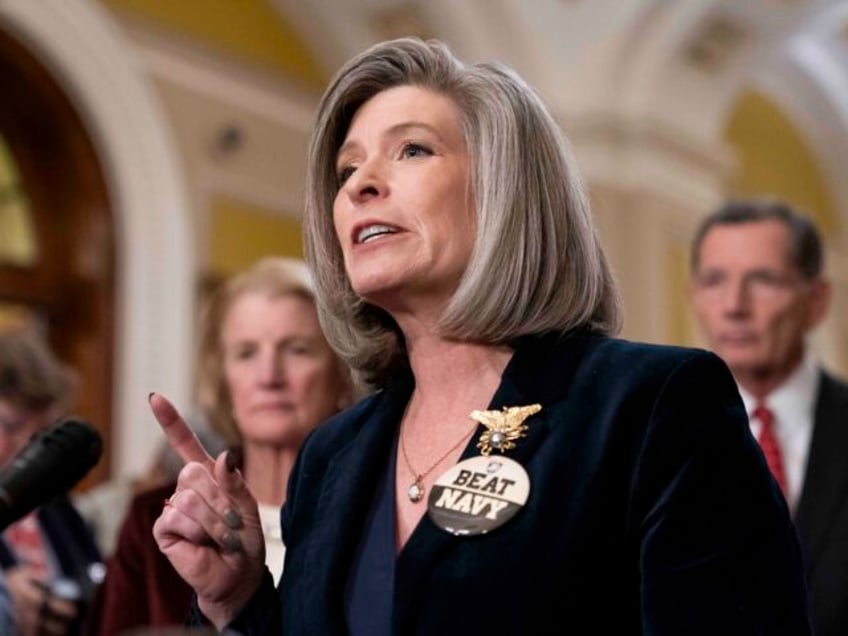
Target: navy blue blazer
651	510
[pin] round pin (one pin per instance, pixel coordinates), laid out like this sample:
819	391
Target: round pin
478	495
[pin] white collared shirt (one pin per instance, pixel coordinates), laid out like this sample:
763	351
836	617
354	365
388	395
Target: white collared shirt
793	404
275	549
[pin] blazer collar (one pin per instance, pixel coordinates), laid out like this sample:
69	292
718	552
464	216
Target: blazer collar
347	492
539	371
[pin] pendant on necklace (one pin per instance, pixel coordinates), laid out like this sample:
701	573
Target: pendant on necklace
415	492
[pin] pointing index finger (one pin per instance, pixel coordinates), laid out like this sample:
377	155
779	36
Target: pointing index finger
180	437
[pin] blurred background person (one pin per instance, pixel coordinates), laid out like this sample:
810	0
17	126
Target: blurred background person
266	378
50	552
758	290
7	625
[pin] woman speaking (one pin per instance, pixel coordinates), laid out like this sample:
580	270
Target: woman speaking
519	470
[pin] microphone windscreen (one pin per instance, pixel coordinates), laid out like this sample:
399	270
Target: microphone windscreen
51	463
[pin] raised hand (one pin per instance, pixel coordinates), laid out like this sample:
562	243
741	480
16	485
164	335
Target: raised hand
209	528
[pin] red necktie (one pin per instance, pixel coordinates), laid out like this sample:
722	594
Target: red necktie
770	446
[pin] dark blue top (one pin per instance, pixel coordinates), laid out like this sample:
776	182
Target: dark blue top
370	587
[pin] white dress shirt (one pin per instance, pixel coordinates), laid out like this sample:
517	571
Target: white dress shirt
793	404
275	550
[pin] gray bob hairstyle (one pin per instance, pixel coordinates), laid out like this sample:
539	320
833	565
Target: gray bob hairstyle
537	264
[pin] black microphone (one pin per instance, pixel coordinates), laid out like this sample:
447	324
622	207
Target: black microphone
51	463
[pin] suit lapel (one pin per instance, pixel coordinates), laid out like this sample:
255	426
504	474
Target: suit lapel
540	371
347	491
826	479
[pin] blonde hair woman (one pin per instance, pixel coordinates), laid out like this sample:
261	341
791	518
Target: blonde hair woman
267	377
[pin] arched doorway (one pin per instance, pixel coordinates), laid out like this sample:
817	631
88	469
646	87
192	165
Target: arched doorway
64	281
154	261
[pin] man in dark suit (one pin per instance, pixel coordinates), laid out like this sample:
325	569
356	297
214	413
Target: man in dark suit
758	290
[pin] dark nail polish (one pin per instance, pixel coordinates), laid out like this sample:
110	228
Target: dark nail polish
232	461
150	396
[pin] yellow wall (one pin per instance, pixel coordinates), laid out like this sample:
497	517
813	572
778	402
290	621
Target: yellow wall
242	233
775	159
680	324
250	30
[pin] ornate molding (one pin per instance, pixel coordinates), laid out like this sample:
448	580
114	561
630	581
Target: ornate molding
77	41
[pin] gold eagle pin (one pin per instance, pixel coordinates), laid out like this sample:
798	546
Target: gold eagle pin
503	427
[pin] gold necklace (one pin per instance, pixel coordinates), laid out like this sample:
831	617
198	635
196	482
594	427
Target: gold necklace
415	492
